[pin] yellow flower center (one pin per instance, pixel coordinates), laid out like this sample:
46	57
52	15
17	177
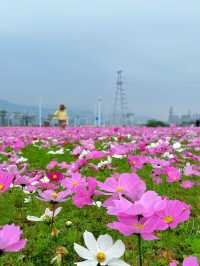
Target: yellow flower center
168	219
1	186
54	195
101	256
139	226
74	183
119	189
54	177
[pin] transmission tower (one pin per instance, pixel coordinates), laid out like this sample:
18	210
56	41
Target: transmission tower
120	116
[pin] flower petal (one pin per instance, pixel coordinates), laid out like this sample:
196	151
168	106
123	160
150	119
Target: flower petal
117	262
17	246
104	242
34	218
83	252
90	242
87	263
117	250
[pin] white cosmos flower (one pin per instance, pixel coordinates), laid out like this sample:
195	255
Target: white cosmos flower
61	151
27	200
101	251
47	215
97	203
45	179
21	160
177	145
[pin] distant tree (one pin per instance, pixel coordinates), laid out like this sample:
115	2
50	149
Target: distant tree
156	123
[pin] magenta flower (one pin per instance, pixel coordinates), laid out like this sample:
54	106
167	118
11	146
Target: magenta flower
5	180
10	239
53	196
83	194
136	162
173	174
55	176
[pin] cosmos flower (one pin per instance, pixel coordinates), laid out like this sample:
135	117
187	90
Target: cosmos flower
46	216
101	251
5	180
55	176
10	239
189	261
125	184
53	196
175	212
135	225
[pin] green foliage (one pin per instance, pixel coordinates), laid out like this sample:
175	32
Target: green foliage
156	123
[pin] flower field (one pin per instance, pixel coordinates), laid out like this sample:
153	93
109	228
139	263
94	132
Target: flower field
100	196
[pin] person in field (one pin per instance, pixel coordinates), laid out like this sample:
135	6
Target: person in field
61	116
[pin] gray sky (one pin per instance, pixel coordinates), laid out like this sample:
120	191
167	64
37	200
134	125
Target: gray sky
69	51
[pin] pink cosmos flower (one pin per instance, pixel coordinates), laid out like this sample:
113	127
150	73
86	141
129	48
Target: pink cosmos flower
52	165
136	162
175	212
83	194
75	166
10	239
5	180
188	171
55	176
73	182
148	205
53	196
133	225
126	184
96	155
187	184
173	174
189	261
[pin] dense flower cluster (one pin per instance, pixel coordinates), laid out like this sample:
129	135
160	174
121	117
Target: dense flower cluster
170	154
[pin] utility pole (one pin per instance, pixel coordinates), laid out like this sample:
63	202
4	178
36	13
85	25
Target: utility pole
120	103
40	112
99	112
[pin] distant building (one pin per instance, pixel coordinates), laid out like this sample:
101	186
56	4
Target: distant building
188	118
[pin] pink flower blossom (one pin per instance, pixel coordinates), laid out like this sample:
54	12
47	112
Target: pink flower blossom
52	165
189	261
84	193
173	174
126	184
175	212
10	239
134	225
53	196
5	180
73	182
187	184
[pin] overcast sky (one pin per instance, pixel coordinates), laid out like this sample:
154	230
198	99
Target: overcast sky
69	51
